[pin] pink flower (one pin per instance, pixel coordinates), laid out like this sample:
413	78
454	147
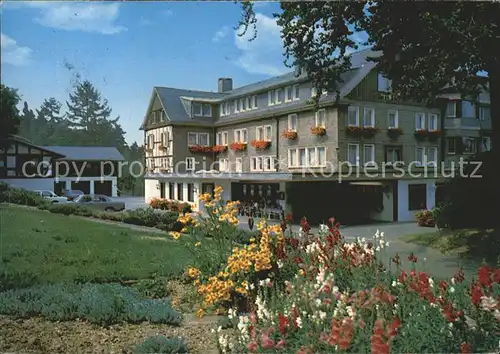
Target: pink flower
280	344
266	342
252	347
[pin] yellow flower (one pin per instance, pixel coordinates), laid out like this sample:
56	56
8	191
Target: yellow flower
175	235
301	272
200	312
193	272
197	244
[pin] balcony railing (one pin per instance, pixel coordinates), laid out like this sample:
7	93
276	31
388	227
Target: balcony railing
467	123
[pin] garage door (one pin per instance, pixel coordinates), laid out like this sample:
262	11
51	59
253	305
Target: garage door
105	187
59	187
83	186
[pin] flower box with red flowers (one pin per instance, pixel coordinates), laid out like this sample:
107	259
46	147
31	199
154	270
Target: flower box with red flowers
261	144
394	133
420	134
362	132
289	134
219	148
199	148
433	135
318	130
238	146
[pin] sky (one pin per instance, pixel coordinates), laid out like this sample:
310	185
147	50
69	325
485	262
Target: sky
126	48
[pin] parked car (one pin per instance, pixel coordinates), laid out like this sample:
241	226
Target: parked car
101	202
54	198
72	194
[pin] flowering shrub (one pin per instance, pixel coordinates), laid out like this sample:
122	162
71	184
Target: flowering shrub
199	148
172	205
394	133
342	299
289	134
261	144
219	148
238	146
425	218
318	130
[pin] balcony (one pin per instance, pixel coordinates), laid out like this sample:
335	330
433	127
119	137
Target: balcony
467	124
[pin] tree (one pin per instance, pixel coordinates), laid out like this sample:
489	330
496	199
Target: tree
89	114
9	114
424	45
28	127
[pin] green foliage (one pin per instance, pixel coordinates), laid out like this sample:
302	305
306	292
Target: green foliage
20	196
161	344
40	248
69	209
153	218
155	287
102	304
9	114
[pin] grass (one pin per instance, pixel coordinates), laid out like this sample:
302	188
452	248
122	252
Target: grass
37	247
482	245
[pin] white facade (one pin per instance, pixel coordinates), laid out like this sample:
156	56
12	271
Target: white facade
404	212
31	184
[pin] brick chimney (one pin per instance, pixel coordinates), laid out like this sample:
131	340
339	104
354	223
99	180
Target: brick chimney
225	84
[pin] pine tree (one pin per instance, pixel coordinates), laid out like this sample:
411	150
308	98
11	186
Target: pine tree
9	114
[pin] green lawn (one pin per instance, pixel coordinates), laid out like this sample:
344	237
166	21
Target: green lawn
38	247
482	245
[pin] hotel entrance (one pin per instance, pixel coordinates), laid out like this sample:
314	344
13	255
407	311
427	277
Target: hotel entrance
259	199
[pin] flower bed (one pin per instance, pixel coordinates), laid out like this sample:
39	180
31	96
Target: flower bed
238	146
318	130
261	144
199	148
289	134
172	205
306	293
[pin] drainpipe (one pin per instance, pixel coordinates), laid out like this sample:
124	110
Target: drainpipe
277	141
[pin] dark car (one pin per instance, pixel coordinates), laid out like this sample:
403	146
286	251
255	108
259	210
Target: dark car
101	202
72	194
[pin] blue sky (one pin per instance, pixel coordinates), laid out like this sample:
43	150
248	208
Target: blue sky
125	49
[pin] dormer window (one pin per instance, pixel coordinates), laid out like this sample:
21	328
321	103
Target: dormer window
383	83
202	109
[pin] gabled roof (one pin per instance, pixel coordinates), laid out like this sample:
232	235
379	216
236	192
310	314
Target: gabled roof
27	142
177	102
87	153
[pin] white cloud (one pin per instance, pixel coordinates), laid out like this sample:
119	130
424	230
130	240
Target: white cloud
14	54
264	54
220	34
78	16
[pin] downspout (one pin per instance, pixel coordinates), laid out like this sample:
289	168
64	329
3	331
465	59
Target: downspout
277	142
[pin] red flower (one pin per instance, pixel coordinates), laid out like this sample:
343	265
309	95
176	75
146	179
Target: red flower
396	260
476	294
305	225
484	276
459	275
252	347
412	258
465	348
282	323
266	342
280	345
289	217
496	276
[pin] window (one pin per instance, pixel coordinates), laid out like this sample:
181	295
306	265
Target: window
433	121
236	106
221	138
469	145
180	190
468	109
288	93
207	110
190	162
256	163
353	116
307	157
369	154
432	156
420	156
419	121
484	112
295	92
321	118
383	83
243	104
268	162
151	140
292	122
259	133
239	164
192	138
369	117
353	154
451	109
163	138
171	191
197	109
203	139
392	118
223	165
279	95
393	154
271	98
314	92
451	145
485	143
417	197
190	196
240	136
225	109
268	133
253	102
